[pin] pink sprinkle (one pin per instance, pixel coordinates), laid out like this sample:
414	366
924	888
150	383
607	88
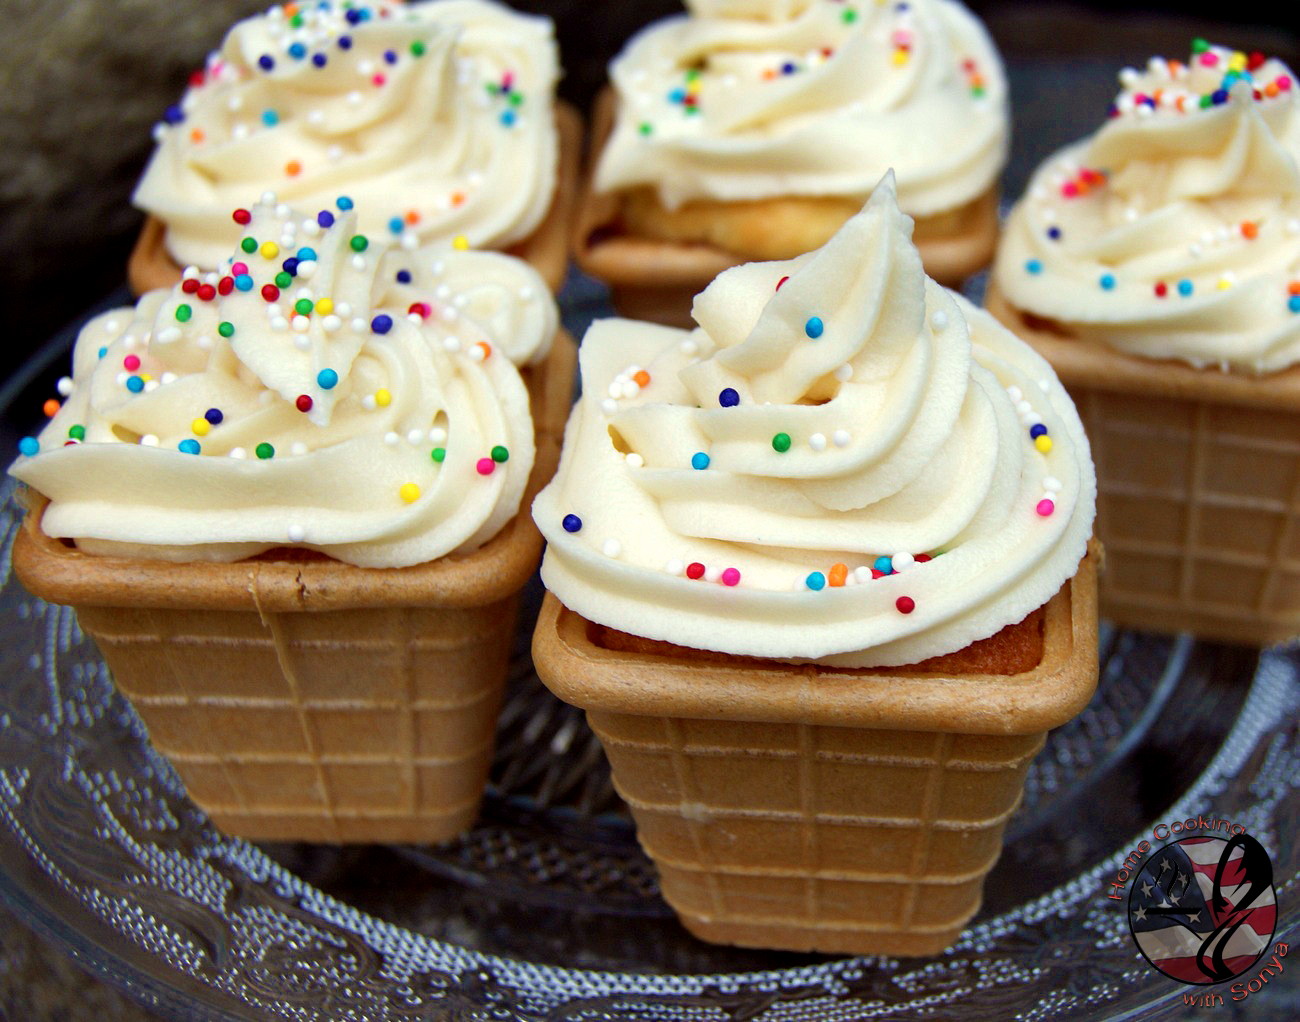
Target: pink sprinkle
731	577
131	363
1046	507
1209	59
379	80
508	80
238	269
1284	82
1069	189
486	466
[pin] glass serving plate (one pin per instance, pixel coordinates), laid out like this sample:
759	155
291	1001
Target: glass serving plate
548	909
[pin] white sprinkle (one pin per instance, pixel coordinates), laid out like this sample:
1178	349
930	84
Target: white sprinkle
415	436
64	386
630	388
410	241
1015	393
354	98
167	378
331	324
391	438
612	548
343	309
1024	407
190	273
902	561
358	262
442	292
359	325
437	435
268	198
238	453
1033	419
298	448
609	406
307	270
1045	385
712	574
451	344
300	324
204	343
450	315
366	66
1128	77
296	533
674	567
151	386
862	574
526	293
149	440
689	347
279	323
939	320
844	373
172	333
840	438
1051	484
122	377
817	442
477	353
369	403
616	389
112	326
312	229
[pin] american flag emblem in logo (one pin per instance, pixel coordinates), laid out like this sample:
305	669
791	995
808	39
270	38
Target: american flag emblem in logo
1202	909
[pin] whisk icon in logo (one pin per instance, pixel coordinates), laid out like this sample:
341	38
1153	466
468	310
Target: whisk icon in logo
1202	910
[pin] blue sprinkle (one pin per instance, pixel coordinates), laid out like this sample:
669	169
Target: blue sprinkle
297	51
1219	97
1107	282
365	14
266	62
390	56
189	446
508	118
291	266
1033	266
344	203
345	42
728	398
1054	233
244	282
29	446
353	16
319	59
788	68
1293	303
173	115
328	379
103	352
699	461
307	254
214	416
396	225
325	218
381	324
572	523
814	328
134	384
885	565
403	276
816	581
1037	430
1185	287
270	118
677	96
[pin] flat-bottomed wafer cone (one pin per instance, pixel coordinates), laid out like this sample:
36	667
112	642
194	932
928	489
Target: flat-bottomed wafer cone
1198	477
816	809
301	698
150	265
658	280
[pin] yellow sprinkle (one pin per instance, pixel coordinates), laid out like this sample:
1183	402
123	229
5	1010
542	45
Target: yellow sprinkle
382	398
1044	443
409	492
900	58
1224	283
461	243
325	306
269	250
1237	62
200	427
146	377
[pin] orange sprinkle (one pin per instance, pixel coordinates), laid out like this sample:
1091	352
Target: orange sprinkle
768	75
1293	288
642	378
484	347
412	218
1271	90
838	573
197	135
50	408
976	81
293	168
458	198
1178	103
1249	230
290	10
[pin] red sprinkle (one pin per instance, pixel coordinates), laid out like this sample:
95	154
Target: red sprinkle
189	285
922	558
905	604
1162	289
304	402
225	285
877	573
695	570
780	282
1255	60
197	78
207	292
270	292
420	309
242	216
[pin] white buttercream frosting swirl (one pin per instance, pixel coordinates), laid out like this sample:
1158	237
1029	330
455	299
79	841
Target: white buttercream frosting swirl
733	488
436	118
755	99
368	405
1174	231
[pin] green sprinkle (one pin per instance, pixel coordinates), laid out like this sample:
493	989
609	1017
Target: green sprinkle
1199	45
1205	102
296	21
303	306
283	279
977	91
77	432
264	451
249	245
516	99
781	443
850	15
226	329
417	48
359	243
183	313
439	453
647	128
493	88
500	454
